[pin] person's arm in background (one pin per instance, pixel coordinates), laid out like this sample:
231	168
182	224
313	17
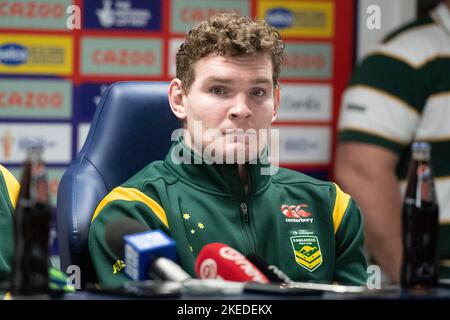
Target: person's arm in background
367	172
9	190
381	112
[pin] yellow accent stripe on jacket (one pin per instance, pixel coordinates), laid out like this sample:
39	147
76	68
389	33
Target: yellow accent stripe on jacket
11	184
131	194
340	205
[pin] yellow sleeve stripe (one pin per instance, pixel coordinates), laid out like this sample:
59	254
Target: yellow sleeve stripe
131	194
11	184
340	205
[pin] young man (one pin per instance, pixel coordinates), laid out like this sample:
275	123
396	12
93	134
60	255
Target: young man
227	85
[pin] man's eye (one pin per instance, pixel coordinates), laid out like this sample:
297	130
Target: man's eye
258	92
218	90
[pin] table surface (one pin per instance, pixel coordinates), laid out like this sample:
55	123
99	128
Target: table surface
389	294
226	290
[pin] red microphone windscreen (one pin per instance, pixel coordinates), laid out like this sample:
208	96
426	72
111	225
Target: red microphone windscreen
219	261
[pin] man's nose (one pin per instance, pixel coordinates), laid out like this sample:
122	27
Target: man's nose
240	108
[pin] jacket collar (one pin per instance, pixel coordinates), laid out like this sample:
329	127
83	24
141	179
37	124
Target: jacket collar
441	15
221	178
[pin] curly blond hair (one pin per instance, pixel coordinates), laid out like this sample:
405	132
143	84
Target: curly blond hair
227	34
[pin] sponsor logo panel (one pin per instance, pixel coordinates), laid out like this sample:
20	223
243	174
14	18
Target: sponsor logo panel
26	98
35	14
32	54
121	56
307	61
305	102
89	97
123	14
54	176
83	130
56	137
300	145
299	19
173	48
186	14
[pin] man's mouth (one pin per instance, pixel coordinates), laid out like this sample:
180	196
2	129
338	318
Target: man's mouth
238	131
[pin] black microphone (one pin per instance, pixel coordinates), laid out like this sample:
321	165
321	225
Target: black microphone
116	230
272	272
147	253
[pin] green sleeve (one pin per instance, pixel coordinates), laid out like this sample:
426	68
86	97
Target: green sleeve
109	267
351	264
6	230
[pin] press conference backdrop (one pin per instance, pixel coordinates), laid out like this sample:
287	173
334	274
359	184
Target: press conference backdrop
51	76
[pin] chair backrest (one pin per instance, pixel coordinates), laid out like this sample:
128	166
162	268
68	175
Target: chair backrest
132	127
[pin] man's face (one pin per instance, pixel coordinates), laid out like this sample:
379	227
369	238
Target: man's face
231	95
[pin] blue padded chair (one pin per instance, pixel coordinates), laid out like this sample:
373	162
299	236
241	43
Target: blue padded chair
132	127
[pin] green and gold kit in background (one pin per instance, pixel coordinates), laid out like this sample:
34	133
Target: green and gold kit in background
9	190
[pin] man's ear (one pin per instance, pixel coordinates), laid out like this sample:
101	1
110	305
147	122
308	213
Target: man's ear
176	99
276	102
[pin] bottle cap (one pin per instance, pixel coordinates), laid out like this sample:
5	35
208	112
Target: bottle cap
421	150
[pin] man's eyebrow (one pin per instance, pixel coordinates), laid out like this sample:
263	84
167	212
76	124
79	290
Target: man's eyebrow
227	81
262	80
217	79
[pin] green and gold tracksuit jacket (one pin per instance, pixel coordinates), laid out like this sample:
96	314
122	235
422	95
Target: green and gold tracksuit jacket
9	189
308	228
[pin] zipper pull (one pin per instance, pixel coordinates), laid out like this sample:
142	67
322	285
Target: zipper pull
244	211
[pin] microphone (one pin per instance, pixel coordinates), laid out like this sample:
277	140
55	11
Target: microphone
147	253
116	230
272	272
169	280
219	261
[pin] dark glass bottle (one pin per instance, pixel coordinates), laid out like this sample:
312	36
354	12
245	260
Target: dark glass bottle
420	218
32	218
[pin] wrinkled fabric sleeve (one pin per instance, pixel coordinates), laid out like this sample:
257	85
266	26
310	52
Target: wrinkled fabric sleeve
110	267
351	264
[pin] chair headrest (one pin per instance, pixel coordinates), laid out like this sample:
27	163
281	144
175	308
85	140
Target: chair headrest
132	128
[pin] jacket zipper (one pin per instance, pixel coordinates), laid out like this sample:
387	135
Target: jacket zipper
244	206
244	211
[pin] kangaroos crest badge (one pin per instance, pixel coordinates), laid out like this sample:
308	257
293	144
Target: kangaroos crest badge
307	251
